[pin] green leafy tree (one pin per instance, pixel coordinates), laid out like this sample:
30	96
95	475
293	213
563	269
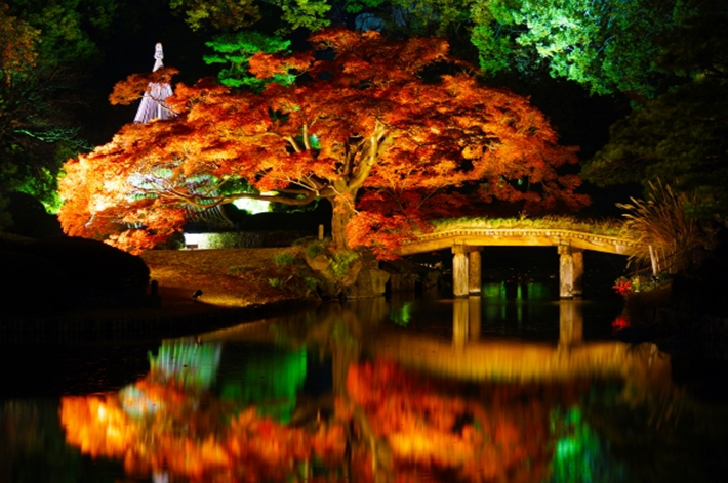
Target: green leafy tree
681	136
607	45
219	14
43	45
232	15
423	17
67	28
236	49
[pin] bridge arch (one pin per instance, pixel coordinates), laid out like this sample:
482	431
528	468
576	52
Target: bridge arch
467	243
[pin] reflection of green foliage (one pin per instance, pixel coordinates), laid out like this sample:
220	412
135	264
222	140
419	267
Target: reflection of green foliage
580	455
403	315
341	334
269	379
186	362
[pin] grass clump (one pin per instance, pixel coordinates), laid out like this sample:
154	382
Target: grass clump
611	227
284	259
666	234
278	282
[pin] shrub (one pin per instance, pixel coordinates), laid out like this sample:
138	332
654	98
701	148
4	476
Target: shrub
284	259
314	250
310	283
235	239
278	282
343	261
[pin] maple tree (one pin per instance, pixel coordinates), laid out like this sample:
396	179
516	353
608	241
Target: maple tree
369	125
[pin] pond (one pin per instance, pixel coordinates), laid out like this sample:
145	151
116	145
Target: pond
513	386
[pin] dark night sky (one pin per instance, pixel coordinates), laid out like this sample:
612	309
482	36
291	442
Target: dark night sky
131	50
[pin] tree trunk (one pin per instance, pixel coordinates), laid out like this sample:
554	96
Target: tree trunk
342	213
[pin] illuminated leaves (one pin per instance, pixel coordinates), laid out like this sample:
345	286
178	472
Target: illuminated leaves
389	150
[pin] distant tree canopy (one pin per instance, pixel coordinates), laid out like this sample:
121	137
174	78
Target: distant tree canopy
606	45
368	127
44	49
681	136
233	15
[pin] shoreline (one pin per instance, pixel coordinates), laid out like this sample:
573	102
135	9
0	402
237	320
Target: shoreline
142	323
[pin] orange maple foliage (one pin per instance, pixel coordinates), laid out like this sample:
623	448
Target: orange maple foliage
366	127
183	435
502	435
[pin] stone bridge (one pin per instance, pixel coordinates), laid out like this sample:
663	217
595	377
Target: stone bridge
467	242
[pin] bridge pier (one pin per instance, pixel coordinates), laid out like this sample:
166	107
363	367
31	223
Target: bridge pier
571	270
466	271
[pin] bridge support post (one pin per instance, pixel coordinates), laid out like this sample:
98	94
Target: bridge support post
460	271
466	271
571	269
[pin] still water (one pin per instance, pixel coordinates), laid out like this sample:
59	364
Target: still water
514	386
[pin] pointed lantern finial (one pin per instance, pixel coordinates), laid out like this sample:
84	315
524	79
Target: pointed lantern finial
159	55
152	105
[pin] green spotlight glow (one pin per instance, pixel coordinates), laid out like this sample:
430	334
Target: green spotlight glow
580	455
402	315
270	381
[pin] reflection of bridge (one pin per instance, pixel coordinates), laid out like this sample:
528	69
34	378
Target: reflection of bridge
470	357
467	355
467	242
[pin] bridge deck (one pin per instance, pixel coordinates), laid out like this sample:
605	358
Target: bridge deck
534	237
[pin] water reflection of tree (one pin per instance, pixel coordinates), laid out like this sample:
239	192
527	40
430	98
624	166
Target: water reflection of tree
484	432
387	423
171	423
